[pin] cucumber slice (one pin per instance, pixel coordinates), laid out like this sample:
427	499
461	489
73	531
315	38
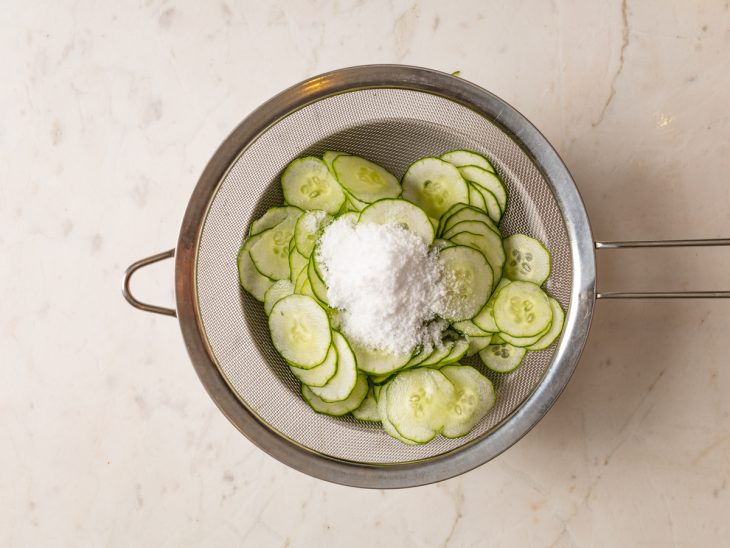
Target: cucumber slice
421	356
477	344
308	184
457	352
376	392
251	279
524	342
451	212
485	318
474	398
476	199
368	410
308	229
467	278
434	186
522	309
496	339
339	387
377	362
438	354
301	281
440	243
479	227
355	205
321	374
417	403
468	213
488	181
403	213
467	158
273	217
329	157
318	287
490	246
365	180
382	398
300	330
279	290
527	259
297	264
270	253
555	329
471	329
502	358
340	407
381	379
491	206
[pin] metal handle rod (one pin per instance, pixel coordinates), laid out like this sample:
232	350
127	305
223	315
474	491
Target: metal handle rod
664	294
131	299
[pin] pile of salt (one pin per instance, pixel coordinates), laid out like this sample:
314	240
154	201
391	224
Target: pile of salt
386	283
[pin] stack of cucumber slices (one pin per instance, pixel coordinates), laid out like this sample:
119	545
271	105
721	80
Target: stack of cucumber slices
494	302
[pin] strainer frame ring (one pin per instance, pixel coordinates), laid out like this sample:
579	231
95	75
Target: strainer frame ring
578	317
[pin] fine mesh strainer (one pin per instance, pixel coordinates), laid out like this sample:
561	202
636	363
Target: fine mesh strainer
391	115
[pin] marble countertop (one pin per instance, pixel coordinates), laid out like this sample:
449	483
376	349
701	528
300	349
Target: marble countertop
110	112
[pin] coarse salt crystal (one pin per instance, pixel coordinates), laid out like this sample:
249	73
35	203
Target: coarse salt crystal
385	282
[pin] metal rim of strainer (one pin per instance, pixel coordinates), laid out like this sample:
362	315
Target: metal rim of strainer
578	317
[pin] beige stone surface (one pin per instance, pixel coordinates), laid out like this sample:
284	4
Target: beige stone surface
110	111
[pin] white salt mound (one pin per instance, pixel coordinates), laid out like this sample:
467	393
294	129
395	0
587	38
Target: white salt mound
386	283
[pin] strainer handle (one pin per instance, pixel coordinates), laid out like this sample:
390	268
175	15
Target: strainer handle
128	276
664	294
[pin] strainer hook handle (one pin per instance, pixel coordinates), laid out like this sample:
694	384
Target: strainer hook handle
664	294
126	291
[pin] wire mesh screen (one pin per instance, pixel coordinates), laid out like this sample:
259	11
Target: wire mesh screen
392	127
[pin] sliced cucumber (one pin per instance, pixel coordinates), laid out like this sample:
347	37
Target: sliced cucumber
476	199
527	259
308	184
340	407
491	206
318	287
451	212
477	344
556	327
365	180
479	227
329	157
382	398
488	181
351	217
467	158
320	374
339	387
380	379
485	318
467	277
524	342
400	212
502	358
418	401
470	328
496	339
438	354
300	330
377	362
297	264
440	243
434	186
467	213
376	392
522	309
420	356
368	410
270	253
308	229
273	217
490	247
251	279
458	349
355	205
279	290
473	399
